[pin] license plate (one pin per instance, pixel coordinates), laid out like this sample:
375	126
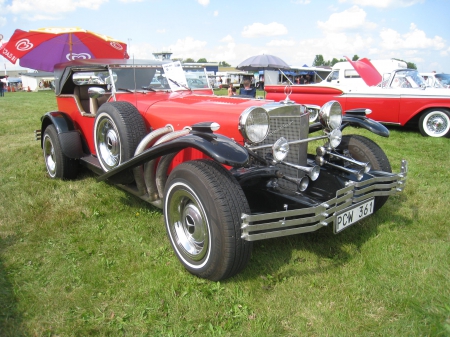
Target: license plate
357	212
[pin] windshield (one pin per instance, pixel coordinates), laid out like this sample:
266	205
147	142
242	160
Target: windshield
147	78
444	79
154	79
407	79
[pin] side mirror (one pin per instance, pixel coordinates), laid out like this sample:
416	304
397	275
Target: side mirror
95	92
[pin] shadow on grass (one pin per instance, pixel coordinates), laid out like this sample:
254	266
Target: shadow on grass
10	317
330	251
277	257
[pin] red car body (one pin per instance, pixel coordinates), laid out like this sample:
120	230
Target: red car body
161	107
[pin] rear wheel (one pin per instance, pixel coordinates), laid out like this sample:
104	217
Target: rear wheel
435	123
202	207
118	129
57	163
365	150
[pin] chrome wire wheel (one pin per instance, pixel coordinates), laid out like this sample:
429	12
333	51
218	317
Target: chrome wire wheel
188	225
107	140
435	123
49	155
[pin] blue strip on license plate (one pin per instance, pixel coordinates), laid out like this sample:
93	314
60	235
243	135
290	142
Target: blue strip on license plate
357	212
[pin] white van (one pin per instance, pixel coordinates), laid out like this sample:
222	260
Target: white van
343	73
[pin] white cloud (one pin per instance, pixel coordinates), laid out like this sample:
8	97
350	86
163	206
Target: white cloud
216	13
142	51
26	7
281	43
383	3
414	39
188	47
330	46
258	29
227	39
129	1
161	31
445	52
352	18
203	2
2	21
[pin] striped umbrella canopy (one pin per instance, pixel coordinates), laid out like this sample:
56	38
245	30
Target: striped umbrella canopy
42	48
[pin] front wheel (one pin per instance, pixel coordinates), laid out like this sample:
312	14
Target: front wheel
365	150
202	207
435	123
57	163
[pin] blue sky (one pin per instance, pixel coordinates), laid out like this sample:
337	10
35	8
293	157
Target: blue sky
228	30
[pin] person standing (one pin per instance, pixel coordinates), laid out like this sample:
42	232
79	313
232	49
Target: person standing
2	88
231	90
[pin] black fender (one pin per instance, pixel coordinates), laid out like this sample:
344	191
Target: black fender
69	137
359	122
366	123
220	148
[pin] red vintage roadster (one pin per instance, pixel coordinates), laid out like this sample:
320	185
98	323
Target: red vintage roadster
225	170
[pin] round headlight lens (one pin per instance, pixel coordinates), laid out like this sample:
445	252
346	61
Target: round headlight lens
330	115
254	124
280	149
335	138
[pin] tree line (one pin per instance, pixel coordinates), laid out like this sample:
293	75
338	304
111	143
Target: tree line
320	61
201	60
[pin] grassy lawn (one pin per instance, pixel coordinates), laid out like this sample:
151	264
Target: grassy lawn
81	258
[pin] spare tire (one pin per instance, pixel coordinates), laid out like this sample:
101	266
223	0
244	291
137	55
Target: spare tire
118	129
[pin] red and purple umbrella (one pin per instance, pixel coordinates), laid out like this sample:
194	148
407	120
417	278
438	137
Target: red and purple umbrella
42	48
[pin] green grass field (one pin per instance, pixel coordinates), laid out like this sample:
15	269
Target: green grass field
82	258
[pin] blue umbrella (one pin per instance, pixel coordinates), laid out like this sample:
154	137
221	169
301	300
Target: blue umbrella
260	62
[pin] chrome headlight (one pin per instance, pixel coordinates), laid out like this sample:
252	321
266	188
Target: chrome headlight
330	115
335	138
313	112
254	124
280	149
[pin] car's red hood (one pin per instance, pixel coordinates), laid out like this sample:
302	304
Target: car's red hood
366	70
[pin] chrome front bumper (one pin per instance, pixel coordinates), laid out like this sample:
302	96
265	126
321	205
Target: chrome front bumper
271	225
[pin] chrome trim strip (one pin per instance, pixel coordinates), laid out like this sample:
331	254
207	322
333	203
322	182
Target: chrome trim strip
283	223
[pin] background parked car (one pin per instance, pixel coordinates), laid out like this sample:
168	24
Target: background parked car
436	80
402	98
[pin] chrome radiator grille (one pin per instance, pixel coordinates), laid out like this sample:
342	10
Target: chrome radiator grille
292	123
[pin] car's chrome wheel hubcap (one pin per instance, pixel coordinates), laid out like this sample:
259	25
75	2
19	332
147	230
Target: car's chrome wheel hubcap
188	225
49	156
108	143
437	124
